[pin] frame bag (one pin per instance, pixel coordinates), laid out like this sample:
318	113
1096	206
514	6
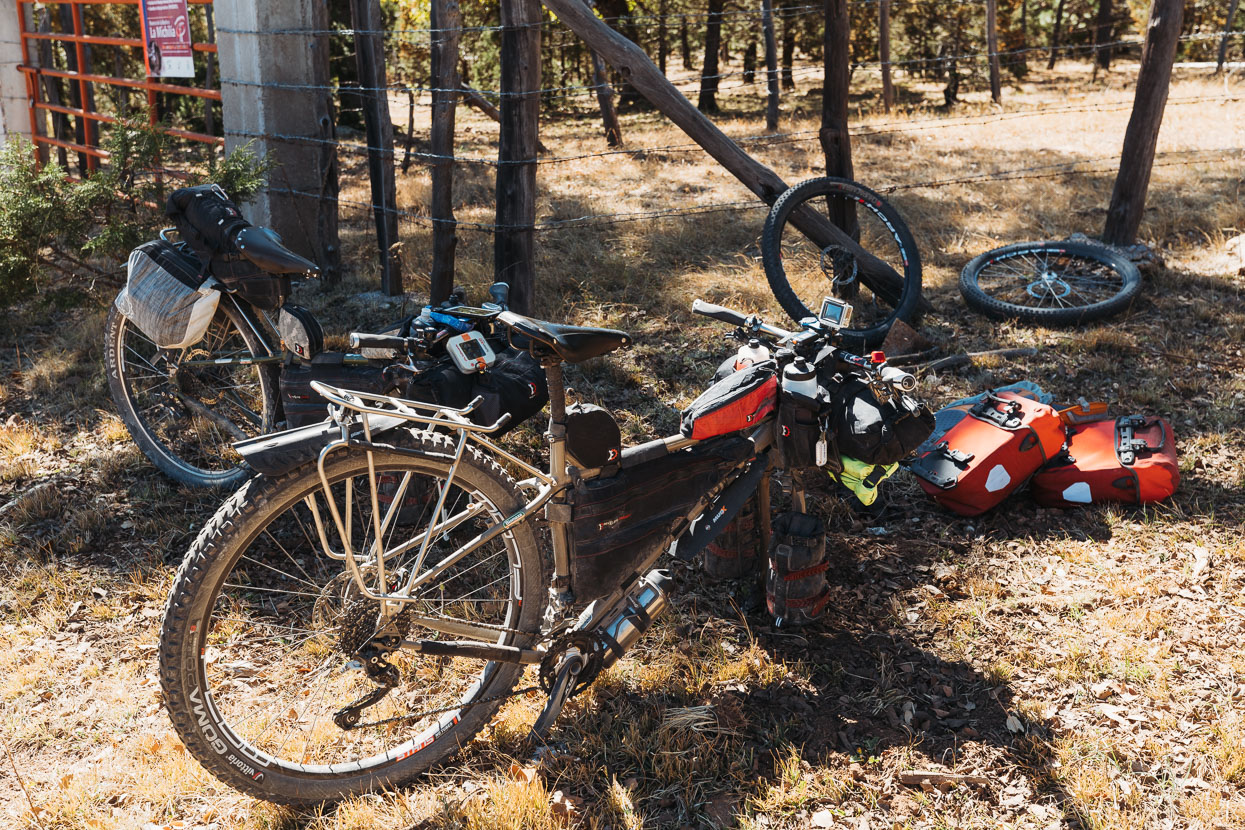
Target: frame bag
1004	440
619	521
167	296
1130	459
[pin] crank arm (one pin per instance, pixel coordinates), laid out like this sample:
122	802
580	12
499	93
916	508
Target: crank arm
475	651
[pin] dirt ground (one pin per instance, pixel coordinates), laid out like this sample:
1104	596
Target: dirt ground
1081	668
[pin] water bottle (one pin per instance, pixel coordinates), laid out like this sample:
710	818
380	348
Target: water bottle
799	377
754	352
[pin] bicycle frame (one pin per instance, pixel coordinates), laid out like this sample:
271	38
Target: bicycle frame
550	493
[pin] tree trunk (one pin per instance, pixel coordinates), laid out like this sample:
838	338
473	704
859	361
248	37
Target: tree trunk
771	66
370	58
835	139
663	48
884	53
447	24
473	98
514	240
788	53
750	62
992	44
1054	37
209	77
1128	199
632	63
1102	35
605	99
1227	32
685	44
708	101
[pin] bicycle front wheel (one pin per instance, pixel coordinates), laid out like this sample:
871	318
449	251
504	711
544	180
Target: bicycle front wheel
880	275
257	652
184	408
1050	283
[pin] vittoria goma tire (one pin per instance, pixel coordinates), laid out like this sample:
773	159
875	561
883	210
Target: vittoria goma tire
1050	283
251	660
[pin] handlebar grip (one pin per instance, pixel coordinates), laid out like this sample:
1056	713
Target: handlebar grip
500	292
904	380
363	340
717	312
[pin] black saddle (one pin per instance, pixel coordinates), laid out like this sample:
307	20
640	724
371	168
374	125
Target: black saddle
574	344
262	248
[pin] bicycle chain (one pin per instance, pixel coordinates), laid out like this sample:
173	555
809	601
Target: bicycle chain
404	718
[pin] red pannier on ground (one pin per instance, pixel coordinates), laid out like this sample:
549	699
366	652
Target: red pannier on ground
1130	459
738	401
1004	440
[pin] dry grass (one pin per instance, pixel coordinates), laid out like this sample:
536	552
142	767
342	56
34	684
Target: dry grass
1077	660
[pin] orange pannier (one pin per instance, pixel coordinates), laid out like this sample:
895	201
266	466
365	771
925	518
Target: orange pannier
1130	460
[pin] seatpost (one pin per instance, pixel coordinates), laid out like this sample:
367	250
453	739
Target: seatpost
558	511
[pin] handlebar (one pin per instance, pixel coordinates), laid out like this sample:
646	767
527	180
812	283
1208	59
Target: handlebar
363	340
735	318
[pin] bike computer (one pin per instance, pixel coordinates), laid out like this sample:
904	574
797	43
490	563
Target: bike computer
469	312
835	313
470	352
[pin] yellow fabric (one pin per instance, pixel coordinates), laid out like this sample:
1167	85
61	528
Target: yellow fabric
864	479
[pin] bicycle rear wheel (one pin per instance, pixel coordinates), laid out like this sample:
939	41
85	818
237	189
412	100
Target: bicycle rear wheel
183	417
259	637
1051	283
881	278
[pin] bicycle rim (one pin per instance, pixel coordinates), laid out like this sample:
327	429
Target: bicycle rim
1049	278
192	415
272	663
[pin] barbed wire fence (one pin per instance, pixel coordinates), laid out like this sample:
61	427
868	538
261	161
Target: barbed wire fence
571	95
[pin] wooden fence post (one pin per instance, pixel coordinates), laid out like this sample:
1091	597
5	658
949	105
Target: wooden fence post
771	65
514	239
447	24
707	101
1128	199
835	139
1227	33
630	61
884	53
370	57
992	45
1103	25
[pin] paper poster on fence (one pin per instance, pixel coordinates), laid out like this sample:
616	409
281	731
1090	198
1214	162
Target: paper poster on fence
166	39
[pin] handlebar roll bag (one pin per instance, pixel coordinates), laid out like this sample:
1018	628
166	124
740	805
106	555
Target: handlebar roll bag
1130	460
876	431
167	295
618	522
737	401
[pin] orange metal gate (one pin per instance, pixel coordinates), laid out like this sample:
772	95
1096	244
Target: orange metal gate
49	119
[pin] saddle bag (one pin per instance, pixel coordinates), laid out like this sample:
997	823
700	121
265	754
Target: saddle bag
1130	460
738	401
738	549
618	522
167	295
303	405
796	591
990	453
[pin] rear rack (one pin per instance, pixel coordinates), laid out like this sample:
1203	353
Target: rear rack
370	403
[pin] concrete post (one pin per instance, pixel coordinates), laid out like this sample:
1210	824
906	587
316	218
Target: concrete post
14	106
274	90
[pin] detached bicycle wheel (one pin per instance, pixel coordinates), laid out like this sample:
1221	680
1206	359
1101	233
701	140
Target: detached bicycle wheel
877	269
1051	283
183	408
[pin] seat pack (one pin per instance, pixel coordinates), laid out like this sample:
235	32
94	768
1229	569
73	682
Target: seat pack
1002	442
1130	460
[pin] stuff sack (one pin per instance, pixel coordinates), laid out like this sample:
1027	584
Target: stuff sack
515	384
618	522
796	591
303	405
167	296
876	431
737	552
738	401
1004	440
1130	459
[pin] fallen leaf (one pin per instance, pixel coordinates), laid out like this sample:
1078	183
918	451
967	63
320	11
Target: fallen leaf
525	774
1014	725
566	807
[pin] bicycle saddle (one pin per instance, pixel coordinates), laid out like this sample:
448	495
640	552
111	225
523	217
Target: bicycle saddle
263	248
574	344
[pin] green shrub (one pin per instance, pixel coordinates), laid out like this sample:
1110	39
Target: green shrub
59	233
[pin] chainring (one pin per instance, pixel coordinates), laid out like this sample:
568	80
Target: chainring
592	650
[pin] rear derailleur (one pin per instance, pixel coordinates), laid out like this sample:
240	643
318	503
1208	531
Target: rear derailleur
370	645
